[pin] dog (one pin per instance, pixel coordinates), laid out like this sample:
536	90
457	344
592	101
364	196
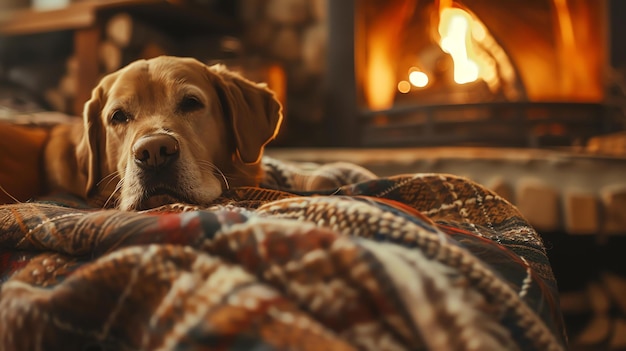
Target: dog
164	130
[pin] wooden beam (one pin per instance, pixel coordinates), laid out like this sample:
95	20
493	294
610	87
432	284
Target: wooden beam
86	43
83	14
79	15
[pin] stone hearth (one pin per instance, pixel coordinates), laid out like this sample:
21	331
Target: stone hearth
556	190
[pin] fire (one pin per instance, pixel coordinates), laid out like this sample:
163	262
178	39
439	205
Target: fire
380	71
455	28
418	79
384	35
455	48
466	39
456	32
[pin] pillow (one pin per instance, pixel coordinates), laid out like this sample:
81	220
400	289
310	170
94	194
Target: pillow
21	166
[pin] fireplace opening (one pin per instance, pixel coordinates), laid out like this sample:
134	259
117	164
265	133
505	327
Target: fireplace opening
478	72
434	53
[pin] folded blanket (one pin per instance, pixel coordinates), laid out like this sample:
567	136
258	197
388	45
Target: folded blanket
320	258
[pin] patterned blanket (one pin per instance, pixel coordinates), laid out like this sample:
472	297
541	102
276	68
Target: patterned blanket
319	258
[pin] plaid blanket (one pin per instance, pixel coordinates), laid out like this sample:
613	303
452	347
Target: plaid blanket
320	258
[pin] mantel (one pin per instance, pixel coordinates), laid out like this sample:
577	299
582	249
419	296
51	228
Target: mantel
173	15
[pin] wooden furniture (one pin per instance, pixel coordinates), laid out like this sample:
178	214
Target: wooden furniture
86	20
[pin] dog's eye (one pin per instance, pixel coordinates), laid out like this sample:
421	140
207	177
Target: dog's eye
189	103
119	116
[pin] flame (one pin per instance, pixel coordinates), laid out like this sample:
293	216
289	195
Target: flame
474	52
381	75
564	18
455	28
384	37
580	60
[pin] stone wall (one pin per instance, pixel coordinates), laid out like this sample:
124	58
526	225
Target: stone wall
292	33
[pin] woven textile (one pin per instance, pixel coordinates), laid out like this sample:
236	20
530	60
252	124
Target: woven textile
320	258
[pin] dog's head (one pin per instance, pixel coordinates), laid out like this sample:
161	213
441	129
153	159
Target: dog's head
172	129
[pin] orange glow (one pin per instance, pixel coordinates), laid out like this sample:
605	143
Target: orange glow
406	53
456	39
381	75
580	59
386	24
479	32
418	79
565	22
404	86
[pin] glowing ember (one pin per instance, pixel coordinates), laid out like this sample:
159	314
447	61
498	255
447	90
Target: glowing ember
404	86
418	79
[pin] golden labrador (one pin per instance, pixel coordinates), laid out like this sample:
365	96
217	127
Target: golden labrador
164	130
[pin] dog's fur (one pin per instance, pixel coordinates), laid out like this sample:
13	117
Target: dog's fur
212	126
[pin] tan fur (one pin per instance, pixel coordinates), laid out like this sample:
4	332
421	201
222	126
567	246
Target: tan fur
237	118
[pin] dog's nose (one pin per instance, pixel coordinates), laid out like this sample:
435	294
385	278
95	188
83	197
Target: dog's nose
155	151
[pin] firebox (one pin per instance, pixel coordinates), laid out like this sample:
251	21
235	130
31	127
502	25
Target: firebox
469	72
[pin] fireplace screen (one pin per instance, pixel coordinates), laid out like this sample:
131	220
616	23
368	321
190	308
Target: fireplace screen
475	71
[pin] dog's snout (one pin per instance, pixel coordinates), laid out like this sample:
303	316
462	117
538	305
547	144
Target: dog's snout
155	151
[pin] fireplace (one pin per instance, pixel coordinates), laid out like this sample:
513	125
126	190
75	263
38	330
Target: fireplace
469	72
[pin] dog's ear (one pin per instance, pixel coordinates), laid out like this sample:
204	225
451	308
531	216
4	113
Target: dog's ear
87	152
254	112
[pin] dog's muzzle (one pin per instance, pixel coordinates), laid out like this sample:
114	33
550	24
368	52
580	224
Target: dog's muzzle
155	151
156	156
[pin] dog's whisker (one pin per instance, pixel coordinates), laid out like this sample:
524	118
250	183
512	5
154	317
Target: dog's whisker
9	195
215	170
118	187
109	182
236	176
110	177
223	178
114	197
219	173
